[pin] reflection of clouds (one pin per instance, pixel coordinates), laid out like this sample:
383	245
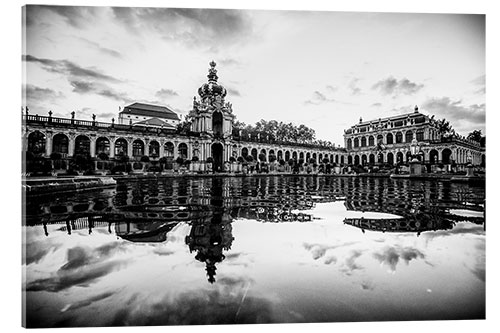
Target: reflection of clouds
391	255
479	269
83	267
319	250
88	301
224	303
459	229
350	264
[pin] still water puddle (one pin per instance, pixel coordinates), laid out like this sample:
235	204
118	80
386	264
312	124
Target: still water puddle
255	250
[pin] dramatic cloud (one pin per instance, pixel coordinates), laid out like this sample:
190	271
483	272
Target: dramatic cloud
353	88
455	110
392	86
37	94
83	267
350	264
78	17
86	87
69	68
194	27
390	255
166	93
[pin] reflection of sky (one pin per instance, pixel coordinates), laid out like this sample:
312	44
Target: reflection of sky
274	272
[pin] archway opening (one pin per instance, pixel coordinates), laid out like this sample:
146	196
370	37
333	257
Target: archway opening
217	155
217	124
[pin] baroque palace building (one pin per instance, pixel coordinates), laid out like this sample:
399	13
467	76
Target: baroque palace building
149	130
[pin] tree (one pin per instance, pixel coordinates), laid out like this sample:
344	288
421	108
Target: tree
477	136
445	128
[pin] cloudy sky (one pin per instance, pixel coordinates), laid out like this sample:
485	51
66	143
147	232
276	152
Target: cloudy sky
322	69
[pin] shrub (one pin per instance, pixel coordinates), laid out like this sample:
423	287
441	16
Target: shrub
272	158
326	160
210	159
179	160
241	159
291	162
249	158
262	157
103	156
232	159
195	159
187	162
144	159
282	162
163	160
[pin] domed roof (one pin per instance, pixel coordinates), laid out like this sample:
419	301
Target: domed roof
212	87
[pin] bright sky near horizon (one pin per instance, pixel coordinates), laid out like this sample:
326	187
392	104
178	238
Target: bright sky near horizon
322	69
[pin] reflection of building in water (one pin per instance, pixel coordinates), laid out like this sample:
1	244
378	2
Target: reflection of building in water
144	231
209	237
417	225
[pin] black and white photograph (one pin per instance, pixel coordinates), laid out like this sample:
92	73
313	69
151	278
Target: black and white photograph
226	166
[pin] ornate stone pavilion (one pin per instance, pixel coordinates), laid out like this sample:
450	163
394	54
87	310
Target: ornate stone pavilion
389	140
212	136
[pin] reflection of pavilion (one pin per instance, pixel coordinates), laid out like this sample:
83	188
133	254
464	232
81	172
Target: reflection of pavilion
209	237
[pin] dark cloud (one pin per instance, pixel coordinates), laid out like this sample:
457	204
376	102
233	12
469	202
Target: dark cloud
166	93
78	17
391	255
87	87
455	110
193	27
37	94
69	69
392	86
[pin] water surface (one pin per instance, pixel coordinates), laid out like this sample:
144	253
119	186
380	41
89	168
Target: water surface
255	250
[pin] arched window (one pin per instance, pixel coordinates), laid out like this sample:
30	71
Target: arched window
244	152
380	138
349	143
399	137
356	142
363	142
433	156
287	155
182	150
217	123
254	153
371	141
280	155
82	145
137	148
389	139
102	146
154	149
446	156
60	144
409	136
169	149
121	147
420	135
36	142
390	158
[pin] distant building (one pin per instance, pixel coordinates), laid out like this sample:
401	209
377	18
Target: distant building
388	140
140	114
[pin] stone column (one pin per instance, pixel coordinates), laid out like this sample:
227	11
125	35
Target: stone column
111	148
71	145
48	144
130	147
161	153
92	147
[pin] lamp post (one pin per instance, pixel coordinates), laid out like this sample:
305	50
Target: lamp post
415	166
